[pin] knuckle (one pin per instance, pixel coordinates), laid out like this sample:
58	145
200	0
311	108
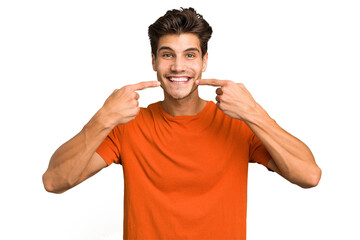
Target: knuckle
114	93
137	96
134	103
134	95
133	112
137	110
127	89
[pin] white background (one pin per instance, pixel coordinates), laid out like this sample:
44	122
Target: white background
59	60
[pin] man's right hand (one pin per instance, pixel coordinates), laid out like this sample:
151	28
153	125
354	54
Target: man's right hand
122	105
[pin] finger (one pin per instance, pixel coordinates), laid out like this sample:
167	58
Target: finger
144	85
136	96
218	105
211	82
217	98
219	91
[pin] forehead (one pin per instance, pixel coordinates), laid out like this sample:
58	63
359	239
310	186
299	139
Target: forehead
180	42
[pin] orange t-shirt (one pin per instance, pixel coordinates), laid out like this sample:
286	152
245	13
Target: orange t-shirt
185	176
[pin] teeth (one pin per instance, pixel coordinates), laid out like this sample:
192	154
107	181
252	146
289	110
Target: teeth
182	79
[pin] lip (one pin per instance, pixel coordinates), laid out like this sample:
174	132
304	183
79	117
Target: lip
178	79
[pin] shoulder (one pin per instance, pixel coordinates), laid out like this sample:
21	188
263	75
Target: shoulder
219	115
218	119
150	110
147	114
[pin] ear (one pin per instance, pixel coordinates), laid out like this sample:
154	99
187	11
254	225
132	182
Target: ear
153	59
205	60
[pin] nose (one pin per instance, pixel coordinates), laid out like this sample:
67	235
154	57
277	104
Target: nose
178	65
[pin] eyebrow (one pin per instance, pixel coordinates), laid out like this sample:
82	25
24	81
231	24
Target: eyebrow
169	48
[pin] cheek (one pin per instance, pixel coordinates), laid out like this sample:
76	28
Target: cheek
163	66
198	67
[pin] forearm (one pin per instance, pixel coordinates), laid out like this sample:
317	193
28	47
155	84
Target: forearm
68	165
69	161
292	157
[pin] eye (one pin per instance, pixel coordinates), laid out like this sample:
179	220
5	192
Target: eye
190	55
167	55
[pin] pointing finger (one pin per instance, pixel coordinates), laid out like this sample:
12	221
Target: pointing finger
144	85
211	82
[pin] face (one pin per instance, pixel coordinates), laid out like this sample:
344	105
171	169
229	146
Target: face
179	63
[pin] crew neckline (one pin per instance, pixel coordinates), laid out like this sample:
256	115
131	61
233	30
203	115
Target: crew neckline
183	117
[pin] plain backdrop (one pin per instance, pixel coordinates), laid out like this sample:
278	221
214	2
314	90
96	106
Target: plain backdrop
60	60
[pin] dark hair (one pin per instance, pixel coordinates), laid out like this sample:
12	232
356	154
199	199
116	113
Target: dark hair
185	20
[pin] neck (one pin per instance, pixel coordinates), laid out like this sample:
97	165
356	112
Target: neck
183	107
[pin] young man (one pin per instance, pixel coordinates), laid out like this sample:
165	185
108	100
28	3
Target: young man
185	160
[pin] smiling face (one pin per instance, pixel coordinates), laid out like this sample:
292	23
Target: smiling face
179	63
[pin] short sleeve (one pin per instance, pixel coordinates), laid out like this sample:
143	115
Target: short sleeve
258	152
110	148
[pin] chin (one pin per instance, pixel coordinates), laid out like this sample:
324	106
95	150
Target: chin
181	95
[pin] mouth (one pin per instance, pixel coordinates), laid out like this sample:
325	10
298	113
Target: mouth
179	79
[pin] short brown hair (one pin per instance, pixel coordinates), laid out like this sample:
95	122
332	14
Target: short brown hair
185	20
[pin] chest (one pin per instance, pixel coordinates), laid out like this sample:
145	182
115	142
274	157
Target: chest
194	160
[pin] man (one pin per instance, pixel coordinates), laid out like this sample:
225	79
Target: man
185	160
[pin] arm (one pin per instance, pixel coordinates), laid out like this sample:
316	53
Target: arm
291	158
77	160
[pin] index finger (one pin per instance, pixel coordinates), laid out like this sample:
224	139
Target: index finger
212	82
144	85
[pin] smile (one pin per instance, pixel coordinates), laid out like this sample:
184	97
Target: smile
178	79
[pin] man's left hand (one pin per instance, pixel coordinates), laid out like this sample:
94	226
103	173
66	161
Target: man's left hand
232	98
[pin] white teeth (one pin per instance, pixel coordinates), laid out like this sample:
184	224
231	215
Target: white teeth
182	79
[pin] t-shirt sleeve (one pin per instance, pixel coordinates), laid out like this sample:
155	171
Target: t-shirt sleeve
258	152
110	148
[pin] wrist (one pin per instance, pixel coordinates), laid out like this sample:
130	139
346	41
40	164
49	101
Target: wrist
257	116
101	121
